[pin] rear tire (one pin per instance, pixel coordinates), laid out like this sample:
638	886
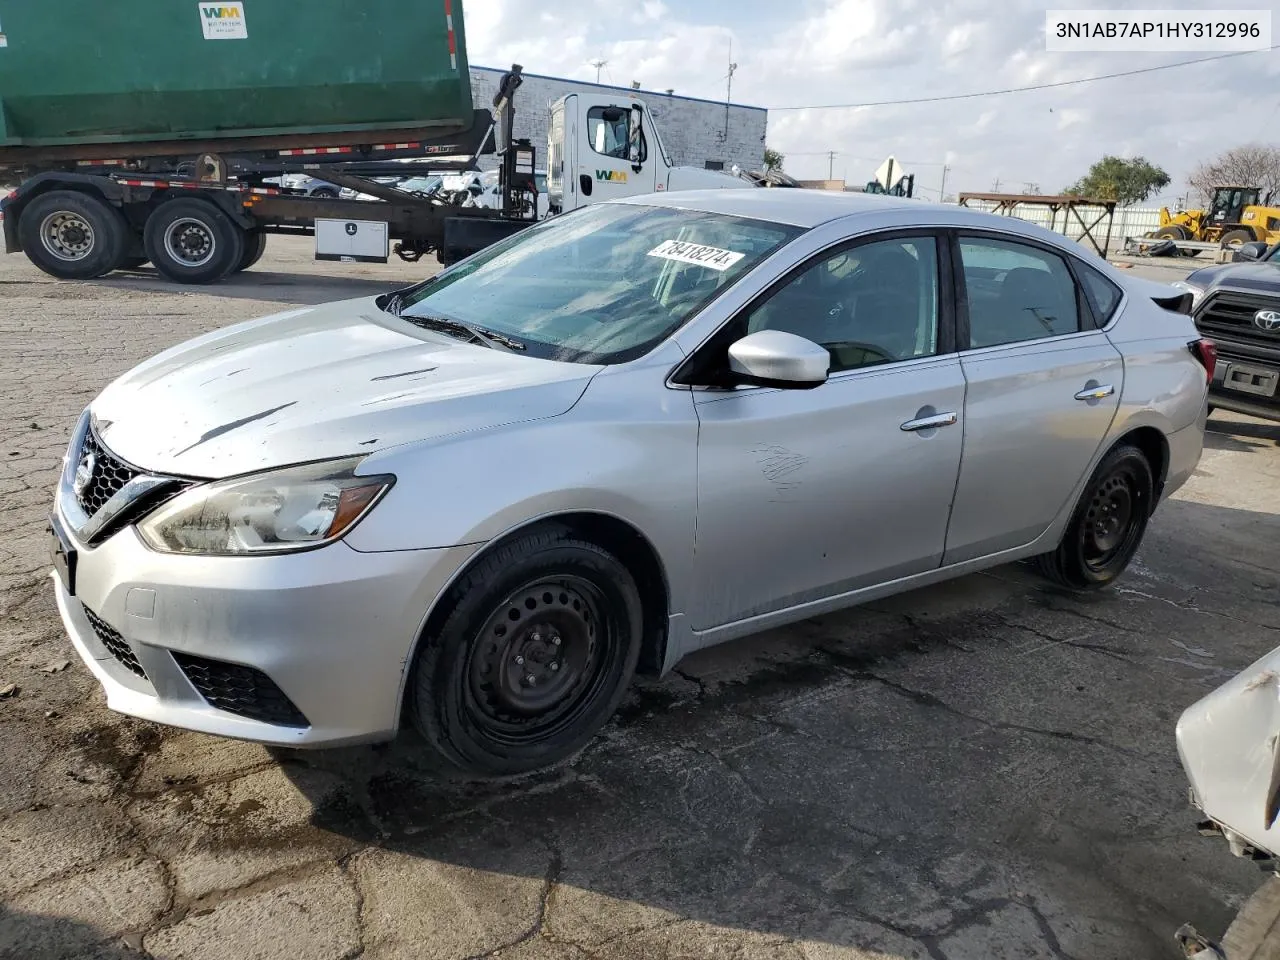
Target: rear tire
1234	239
192	241
325	193
72	235
1107	525
255	245
1172	233
537	649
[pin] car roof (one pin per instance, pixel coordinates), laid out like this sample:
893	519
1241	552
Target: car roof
798	207
807	208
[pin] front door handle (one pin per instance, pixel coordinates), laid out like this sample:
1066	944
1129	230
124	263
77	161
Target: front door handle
1096	393
930	423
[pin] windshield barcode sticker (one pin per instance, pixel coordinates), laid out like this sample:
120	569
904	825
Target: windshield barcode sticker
703	256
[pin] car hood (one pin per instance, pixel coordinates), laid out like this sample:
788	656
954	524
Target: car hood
1263	277
320	382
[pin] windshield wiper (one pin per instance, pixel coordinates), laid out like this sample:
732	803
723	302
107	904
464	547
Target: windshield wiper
488	338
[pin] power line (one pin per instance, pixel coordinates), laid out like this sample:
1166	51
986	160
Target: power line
1038	86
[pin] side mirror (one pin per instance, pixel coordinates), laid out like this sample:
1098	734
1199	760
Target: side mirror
1253	250
775	358
633	136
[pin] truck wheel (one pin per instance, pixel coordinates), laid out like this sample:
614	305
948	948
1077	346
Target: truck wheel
1233	239
255	245
538	646
1107	526
1174	232
1255	932
72	235
192	241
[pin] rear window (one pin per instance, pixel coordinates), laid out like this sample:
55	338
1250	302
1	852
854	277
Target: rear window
1104	296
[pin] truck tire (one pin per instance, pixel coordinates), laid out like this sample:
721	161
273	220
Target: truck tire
1232	239
191	241
255	245
72	235
1255	932
1174	232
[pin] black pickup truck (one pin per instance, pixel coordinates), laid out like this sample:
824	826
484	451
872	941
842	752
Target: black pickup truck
1237	305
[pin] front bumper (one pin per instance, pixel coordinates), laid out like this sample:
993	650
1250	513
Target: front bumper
332	628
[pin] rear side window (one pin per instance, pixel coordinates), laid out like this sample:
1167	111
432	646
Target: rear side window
1104	296
1016	292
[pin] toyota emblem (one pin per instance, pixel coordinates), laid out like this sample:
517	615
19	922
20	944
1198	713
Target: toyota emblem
1268	320
84	473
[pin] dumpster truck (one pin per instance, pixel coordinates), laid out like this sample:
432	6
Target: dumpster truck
169	132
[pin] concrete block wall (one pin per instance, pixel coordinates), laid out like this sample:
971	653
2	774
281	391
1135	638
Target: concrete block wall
693	131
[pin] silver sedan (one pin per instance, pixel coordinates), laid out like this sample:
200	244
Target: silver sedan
477	506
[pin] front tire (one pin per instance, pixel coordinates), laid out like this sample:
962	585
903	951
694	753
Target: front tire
537	649
72	235
192	241
1108	524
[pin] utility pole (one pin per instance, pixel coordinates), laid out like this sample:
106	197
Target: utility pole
728	93
995	187
942	190
831	164
598	63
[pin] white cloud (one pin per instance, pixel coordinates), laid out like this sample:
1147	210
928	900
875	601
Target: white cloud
859	51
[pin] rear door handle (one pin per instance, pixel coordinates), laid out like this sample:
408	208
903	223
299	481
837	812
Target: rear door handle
1096	393
930	423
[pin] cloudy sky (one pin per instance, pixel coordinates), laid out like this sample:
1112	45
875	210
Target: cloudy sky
805	52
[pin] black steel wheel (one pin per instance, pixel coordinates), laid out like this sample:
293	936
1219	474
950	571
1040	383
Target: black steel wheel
190	240
72	235
539	643
1108	524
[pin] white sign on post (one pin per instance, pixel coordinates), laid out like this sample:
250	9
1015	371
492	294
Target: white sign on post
222	20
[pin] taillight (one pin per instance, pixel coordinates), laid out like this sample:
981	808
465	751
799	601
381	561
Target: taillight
1207	353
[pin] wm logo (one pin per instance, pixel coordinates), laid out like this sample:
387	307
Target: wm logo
220	13
611	176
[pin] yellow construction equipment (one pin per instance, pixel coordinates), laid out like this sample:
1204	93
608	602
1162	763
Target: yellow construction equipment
1234	217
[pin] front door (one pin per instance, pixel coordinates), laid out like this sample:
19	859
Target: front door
1043	388
609	129
803	494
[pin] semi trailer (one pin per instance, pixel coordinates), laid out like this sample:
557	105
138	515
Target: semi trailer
169	135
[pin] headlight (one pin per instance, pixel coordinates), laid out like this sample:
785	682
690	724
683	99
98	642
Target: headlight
1196	292
291	509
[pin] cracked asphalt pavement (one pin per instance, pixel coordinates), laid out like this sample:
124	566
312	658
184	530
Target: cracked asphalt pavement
984	769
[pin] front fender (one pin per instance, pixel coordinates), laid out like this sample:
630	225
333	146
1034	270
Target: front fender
627	450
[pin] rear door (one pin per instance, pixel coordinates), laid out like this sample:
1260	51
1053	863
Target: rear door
1042	387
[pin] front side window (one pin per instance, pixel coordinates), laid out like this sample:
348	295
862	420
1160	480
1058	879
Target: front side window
602	285
1016	292
870	304
609	132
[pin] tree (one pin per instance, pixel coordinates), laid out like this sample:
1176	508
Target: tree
1125	181
1252	165
772	160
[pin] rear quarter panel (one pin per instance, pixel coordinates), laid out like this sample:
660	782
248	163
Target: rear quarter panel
1164	384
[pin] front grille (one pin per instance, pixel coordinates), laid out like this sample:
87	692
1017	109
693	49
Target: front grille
241	690
1231	314
116	645
106	478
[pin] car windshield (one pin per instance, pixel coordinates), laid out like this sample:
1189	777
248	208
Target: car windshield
601	285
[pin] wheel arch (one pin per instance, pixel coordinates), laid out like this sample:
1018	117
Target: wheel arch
101	188
620	537
1155	447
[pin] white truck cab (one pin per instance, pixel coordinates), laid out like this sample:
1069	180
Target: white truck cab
605	147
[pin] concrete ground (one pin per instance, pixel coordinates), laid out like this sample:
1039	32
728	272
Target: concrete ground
984	769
